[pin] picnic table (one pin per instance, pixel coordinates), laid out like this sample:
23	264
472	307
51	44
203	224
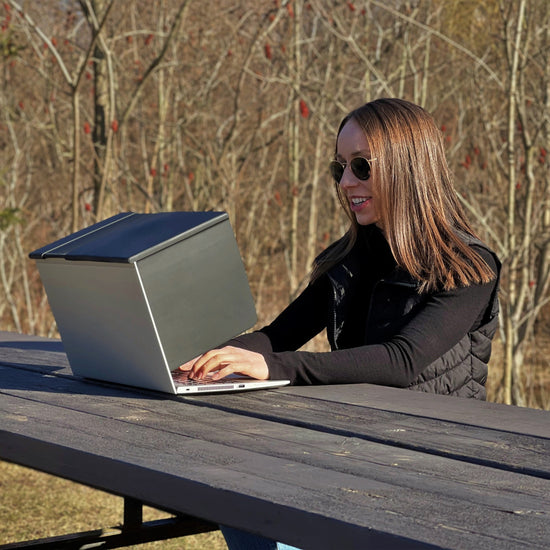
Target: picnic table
325	467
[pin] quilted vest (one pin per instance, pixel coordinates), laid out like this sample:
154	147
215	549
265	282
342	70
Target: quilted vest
461	371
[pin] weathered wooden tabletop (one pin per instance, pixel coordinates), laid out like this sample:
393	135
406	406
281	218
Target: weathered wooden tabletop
340	467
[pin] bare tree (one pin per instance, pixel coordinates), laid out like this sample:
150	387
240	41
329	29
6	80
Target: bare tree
528	210
154	107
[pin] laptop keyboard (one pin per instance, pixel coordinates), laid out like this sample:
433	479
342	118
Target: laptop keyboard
182	378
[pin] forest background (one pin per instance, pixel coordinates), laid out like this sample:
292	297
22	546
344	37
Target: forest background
159	105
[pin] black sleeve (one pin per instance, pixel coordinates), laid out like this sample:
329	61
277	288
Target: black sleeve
440	323
303	319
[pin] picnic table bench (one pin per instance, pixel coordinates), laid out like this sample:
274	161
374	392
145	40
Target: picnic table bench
325	467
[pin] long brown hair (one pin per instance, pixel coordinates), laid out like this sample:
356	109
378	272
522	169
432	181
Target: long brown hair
420	212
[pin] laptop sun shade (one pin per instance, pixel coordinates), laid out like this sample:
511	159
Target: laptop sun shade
137	289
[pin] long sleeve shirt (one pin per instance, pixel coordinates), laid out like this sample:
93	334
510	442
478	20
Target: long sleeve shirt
442	320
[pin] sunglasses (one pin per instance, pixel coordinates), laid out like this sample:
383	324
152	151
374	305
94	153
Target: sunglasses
359	166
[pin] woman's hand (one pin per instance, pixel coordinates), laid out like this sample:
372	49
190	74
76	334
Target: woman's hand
219	363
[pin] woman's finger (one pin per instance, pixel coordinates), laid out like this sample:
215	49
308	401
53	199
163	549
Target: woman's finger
187	366
210	362
229	360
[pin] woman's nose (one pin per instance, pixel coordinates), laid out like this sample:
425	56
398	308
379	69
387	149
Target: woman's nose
348	178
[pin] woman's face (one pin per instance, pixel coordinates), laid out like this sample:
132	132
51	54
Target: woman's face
360	194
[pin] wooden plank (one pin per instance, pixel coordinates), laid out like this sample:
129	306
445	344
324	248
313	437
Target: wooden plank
498	449
448	524
10	337
38	353
223	495
470	412
33	353
229	428
294	426
453	438
418	427
46	355
265	470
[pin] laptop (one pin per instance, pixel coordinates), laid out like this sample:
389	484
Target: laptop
137	295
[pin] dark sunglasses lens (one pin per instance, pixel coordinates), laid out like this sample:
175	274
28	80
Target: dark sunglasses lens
360	168
336	170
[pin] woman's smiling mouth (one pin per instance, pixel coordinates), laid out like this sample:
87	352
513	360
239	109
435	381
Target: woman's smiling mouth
357	203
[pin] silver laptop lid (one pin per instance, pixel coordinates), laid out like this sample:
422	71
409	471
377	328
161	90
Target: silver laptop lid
138	294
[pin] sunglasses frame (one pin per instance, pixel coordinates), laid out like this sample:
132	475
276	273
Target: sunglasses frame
344	164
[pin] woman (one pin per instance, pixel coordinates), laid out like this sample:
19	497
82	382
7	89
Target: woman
408	295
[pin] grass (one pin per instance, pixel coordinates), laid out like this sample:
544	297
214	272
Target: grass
37	505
